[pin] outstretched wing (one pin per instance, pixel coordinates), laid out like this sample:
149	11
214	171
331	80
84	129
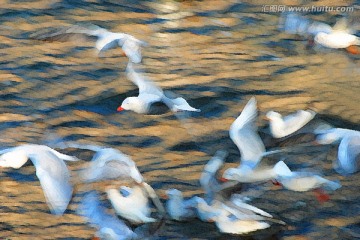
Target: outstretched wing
54	179
145	86
243	132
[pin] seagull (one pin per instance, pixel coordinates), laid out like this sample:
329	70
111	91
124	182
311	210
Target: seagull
109	226
338	36
282	127
149	93
238	220
306	181
110	163
245	174
334	135
178	208
105	39
348	155
208	179
50	168
134	206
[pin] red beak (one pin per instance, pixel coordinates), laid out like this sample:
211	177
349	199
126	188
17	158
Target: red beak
223	179
119	109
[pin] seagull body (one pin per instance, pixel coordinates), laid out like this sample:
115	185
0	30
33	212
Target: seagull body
109	226
134	207
178	208
337	39
282	127
348	155
105	39
305	181
50	168
149	93
334	135
245	174
230	220
110	163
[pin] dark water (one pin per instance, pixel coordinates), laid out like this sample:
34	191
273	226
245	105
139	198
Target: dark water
217	54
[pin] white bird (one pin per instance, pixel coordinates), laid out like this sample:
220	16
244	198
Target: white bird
178	208
50	168
305	181
110	163
109	226
348	155
245	174
338	36
105	39
334	135
284	126
232	220
133	206
149	93
208	179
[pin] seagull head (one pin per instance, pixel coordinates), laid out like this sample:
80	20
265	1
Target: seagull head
133	104
174	194
13	159
271	115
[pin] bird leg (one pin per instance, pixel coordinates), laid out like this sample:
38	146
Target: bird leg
321	196
353	50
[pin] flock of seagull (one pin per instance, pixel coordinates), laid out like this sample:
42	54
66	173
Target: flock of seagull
230	211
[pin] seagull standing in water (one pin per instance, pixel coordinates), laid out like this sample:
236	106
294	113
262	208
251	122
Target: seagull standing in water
105	39
284	126
149	93
50	168
178	208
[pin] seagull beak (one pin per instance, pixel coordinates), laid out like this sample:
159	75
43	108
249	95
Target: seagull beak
223	179
119	109
164	196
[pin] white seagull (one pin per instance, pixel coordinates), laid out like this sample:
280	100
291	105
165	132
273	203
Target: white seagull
233	220
284	126
105	39
338	36
348	155
131	204
109	226
334	135
149	93
110	163
178	208
50	168
208	179
243	132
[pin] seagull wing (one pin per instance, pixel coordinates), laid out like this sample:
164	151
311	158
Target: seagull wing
243	132
54	179
145	86
294	122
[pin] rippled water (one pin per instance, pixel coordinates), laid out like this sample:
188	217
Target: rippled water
215	53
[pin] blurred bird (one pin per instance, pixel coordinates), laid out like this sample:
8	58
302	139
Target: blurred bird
132	205
284	126
178	208
334	135
348	155
110	163
149	93
338	36
50	168
105	39
305	181
109	226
